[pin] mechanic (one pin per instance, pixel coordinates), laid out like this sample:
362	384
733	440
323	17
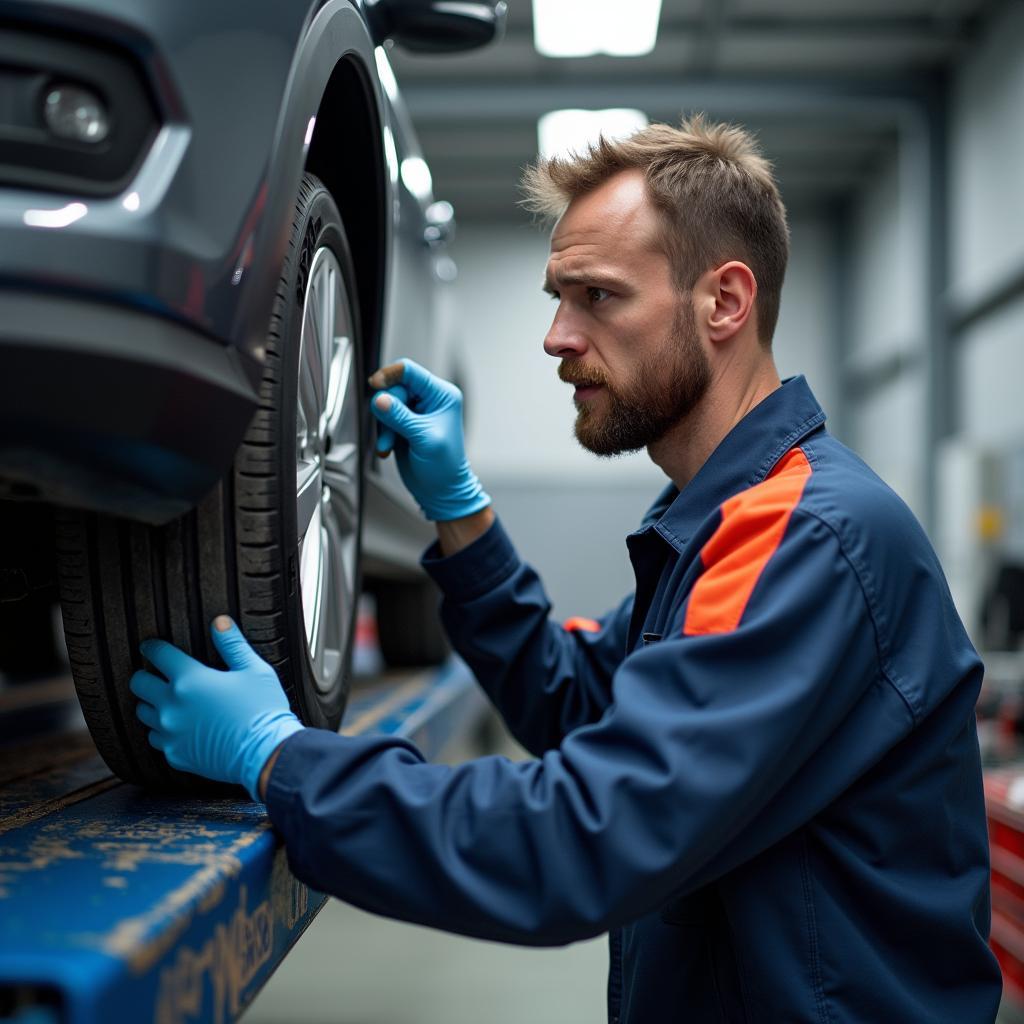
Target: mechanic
759	772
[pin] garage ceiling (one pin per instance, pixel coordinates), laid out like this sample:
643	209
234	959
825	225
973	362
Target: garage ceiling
800	74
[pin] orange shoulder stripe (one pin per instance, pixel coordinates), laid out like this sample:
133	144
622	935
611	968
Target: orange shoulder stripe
579	624
752	527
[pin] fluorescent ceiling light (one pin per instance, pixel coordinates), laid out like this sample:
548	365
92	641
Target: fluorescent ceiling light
567	131
582	28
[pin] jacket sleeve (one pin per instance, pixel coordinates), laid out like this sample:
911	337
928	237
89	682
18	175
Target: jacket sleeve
545	679
715	746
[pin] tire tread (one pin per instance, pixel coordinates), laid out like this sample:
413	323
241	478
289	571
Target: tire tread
121	582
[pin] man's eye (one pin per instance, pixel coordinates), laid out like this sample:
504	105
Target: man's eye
597	294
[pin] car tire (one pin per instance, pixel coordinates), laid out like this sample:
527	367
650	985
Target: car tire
409	626
275	544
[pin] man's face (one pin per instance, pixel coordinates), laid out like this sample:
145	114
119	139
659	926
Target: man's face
626	336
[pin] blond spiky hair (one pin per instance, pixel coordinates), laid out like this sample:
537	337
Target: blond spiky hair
714	188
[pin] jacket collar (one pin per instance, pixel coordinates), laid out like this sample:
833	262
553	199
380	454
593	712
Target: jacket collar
745	457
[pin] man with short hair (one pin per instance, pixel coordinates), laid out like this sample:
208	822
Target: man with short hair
760	772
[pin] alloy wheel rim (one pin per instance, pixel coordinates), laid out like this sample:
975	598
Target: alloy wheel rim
327	469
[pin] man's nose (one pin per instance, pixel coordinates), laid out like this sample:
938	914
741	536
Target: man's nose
564	340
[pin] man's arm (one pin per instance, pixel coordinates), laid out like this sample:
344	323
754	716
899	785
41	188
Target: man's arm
716	746
543	680
453	537
457	534
265	774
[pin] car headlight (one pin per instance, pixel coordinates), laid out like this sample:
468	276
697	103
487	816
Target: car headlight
76	114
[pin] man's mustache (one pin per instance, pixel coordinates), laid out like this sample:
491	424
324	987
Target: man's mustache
572	371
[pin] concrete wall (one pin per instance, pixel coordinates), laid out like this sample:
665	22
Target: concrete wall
805	339
567	510
888	316
986	215
987	226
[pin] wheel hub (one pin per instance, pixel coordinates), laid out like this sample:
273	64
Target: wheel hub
327	468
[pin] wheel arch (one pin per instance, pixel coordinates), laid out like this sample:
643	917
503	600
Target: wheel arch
331	94
348	120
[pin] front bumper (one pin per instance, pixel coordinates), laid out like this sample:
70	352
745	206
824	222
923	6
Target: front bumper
110	409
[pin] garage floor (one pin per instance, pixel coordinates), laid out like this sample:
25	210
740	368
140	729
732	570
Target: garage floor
353	968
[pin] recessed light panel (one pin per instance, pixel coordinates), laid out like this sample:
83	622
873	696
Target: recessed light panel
573	131
583	28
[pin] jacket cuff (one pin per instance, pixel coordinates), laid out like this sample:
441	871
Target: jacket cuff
287	776
476	569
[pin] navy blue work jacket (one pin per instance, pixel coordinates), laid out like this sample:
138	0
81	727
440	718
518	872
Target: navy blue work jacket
760	772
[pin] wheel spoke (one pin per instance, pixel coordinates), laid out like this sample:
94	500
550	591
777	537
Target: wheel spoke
311	571
322	338
309	487
338	397
340	597
328	469
311	395
349	553
344	505
341	465
323	602
328	341
301	429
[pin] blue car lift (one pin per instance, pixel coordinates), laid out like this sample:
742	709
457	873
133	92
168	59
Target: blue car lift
120	906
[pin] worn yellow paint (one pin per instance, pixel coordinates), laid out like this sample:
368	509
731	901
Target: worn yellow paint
288	896
44	850
201	892
230	958
37	811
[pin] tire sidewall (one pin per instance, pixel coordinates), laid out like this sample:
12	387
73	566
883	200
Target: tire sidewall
319	227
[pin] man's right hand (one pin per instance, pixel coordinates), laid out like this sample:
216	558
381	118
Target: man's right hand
426	414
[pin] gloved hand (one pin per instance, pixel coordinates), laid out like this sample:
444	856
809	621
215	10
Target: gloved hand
426	413
222	725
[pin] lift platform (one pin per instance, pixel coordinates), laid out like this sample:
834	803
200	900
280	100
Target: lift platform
121	906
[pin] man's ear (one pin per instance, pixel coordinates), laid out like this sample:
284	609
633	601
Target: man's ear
729	292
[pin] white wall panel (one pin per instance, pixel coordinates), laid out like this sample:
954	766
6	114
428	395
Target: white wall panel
987	157
991	375
888	425
888	436
805	339
889	265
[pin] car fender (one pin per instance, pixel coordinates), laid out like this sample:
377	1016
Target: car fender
336	31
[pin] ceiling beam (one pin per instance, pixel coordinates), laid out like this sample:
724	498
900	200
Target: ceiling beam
916	26
705	57
875	100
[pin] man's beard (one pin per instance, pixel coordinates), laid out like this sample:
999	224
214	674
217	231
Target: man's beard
662	390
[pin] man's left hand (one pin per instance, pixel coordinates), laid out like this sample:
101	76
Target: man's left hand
222	725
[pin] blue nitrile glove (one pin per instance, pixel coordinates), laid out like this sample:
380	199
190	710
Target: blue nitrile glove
222	725
385	435
426	414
